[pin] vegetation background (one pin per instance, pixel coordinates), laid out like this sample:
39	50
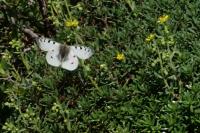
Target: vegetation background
143	77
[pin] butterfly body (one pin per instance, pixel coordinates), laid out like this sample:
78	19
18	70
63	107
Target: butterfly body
64	56
63	52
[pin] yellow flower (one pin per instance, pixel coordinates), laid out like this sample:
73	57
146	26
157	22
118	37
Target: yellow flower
163	19
71	23
150	37
120	56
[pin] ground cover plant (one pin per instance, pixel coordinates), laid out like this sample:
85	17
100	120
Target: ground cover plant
143	76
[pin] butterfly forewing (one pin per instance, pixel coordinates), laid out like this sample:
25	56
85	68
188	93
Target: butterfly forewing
82	52
47	44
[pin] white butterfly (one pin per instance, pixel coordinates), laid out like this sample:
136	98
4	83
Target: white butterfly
63	55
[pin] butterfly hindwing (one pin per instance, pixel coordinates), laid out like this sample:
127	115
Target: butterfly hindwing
71	63
53	58
47	44
82	52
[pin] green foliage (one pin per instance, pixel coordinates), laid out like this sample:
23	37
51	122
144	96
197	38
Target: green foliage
155	87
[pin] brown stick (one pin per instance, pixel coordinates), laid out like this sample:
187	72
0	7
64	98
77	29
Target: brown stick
30	33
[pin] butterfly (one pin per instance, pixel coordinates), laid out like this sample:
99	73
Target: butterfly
64	56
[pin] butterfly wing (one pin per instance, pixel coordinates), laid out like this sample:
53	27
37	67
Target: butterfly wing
47	44
71	63
82	52
53	54
52	57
